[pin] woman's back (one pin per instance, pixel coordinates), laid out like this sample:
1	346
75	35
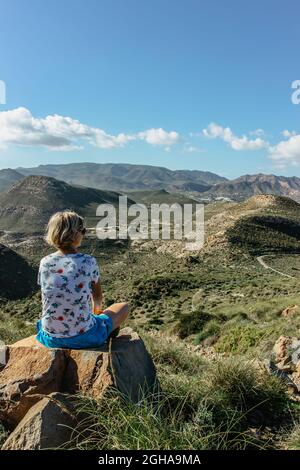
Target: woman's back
66	282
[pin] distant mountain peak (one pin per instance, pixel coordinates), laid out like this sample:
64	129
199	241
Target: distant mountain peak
8	177
246	186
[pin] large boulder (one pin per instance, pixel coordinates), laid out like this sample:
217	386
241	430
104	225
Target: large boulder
285	361
127	365
30	372
33	371
286	353
290	310
47	425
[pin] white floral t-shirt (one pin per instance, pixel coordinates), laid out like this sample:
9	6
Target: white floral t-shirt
66	282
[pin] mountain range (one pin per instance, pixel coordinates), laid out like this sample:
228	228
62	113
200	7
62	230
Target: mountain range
250	185
127	178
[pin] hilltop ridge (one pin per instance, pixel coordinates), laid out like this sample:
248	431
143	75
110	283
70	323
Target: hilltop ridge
27	206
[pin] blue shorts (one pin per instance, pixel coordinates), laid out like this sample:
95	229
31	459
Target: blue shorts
93	338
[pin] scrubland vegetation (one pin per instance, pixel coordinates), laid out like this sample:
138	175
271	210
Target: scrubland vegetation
209	321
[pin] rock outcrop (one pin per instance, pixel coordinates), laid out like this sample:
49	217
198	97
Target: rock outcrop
33	373
285	361
47	425
286	353
290	310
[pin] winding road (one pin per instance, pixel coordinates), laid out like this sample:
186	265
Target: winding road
261	261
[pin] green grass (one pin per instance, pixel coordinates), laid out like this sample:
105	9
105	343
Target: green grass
292	440
14	328
192	322
239	339
212	329
202	406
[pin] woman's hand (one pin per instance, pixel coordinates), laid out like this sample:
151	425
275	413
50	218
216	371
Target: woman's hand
97	310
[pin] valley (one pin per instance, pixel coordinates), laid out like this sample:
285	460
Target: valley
216	308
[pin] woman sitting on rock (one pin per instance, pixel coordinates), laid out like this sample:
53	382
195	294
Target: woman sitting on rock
72	314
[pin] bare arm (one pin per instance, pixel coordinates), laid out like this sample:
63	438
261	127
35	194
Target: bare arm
97	294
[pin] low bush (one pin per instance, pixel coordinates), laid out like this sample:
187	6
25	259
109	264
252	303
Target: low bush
212	328
192	322
239	339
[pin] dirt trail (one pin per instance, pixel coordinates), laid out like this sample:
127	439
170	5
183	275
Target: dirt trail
261	261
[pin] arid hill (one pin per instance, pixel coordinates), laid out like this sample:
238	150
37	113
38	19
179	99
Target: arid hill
27	206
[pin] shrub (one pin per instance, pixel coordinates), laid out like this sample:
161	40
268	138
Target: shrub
259	234
239	339
161	286
173	354
192	323
240	387
212	328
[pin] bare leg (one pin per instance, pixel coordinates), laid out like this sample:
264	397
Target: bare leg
118	313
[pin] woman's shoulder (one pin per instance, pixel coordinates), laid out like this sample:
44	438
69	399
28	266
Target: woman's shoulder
52	257
89	259
80	257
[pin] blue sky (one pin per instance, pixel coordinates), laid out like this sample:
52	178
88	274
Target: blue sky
179	83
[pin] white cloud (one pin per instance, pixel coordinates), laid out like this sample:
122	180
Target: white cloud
287	151
288	134
159	137
214	131
19	127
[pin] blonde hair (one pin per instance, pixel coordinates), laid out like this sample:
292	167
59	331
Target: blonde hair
62	228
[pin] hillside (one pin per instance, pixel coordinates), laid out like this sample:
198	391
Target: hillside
158	197
260	224
126	177
250	185
27	206
18	278
9	177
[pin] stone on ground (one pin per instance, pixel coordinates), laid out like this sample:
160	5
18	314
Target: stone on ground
47	425
30	372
